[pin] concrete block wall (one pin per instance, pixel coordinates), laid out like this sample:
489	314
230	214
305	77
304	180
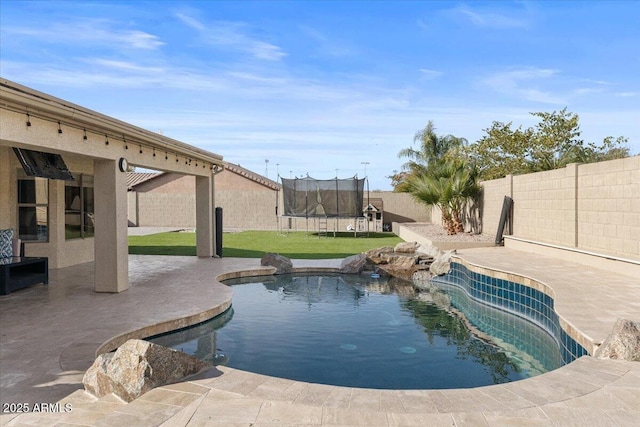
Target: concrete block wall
252	207
401	207
590	207
248	209
166	210
493	193
132	209
609	207
546	206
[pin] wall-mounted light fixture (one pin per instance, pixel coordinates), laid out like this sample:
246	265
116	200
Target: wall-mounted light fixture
123	165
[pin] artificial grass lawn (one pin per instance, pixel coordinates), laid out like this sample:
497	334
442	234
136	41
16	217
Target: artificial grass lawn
254	244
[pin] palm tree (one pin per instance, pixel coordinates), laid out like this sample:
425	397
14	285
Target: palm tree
432	149
450	186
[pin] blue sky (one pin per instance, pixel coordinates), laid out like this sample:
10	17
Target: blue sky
316	87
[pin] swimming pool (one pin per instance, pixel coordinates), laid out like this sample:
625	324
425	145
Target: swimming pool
353	330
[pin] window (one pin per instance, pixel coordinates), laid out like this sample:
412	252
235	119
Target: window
79	207
33	208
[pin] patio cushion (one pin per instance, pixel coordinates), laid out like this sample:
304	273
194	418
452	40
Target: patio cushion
6	243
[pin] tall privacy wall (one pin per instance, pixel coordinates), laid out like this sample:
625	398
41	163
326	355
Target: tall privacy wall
247	205
592	207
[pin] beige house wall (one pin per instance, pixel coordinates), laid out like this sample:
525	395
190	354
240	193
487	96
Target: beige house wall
60	251
169	183
590	207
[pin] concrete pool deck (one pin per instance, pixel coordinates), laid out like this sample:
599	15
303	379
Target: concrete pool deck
49	336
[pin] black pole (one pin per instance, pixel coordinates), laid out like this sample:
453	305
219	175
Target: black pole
219	231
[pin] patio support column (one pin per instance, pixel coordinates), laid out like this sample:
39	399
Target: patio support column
205	217
110	246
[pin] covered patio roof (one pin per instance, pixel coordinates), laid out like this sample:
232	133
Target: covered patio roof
93	144
142	147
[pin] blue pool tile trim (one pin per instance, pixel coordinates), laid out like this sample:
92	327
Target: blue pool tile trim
516	298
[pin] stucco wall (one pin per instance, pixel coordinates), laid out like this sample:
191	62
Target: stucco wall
592	207
61	252
8	196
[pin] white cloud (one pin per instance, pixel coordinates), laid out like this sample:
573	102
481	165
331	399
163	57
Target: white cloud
89	32
139	39
267	51
521	83
235	36
491	19
430	74
627	94
125	66
191	22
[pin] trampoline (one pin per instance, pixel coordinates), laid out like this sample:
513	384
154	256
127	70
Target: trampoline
324	200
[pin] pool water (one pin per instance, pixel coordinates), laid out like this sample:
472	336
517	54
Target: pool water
353	330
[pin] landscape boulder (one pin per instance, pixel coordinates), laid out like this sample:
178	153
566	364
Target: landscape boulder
623	343
282	264
401	261
441	265
375	256
353	264
96	381
137	367
428	250
406	247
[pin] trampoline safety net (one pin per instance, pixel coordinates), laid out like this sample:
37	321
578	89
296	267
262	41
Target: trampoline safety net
309	197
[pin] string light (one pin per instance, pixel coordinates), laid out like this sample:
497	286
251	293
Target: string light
189	161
